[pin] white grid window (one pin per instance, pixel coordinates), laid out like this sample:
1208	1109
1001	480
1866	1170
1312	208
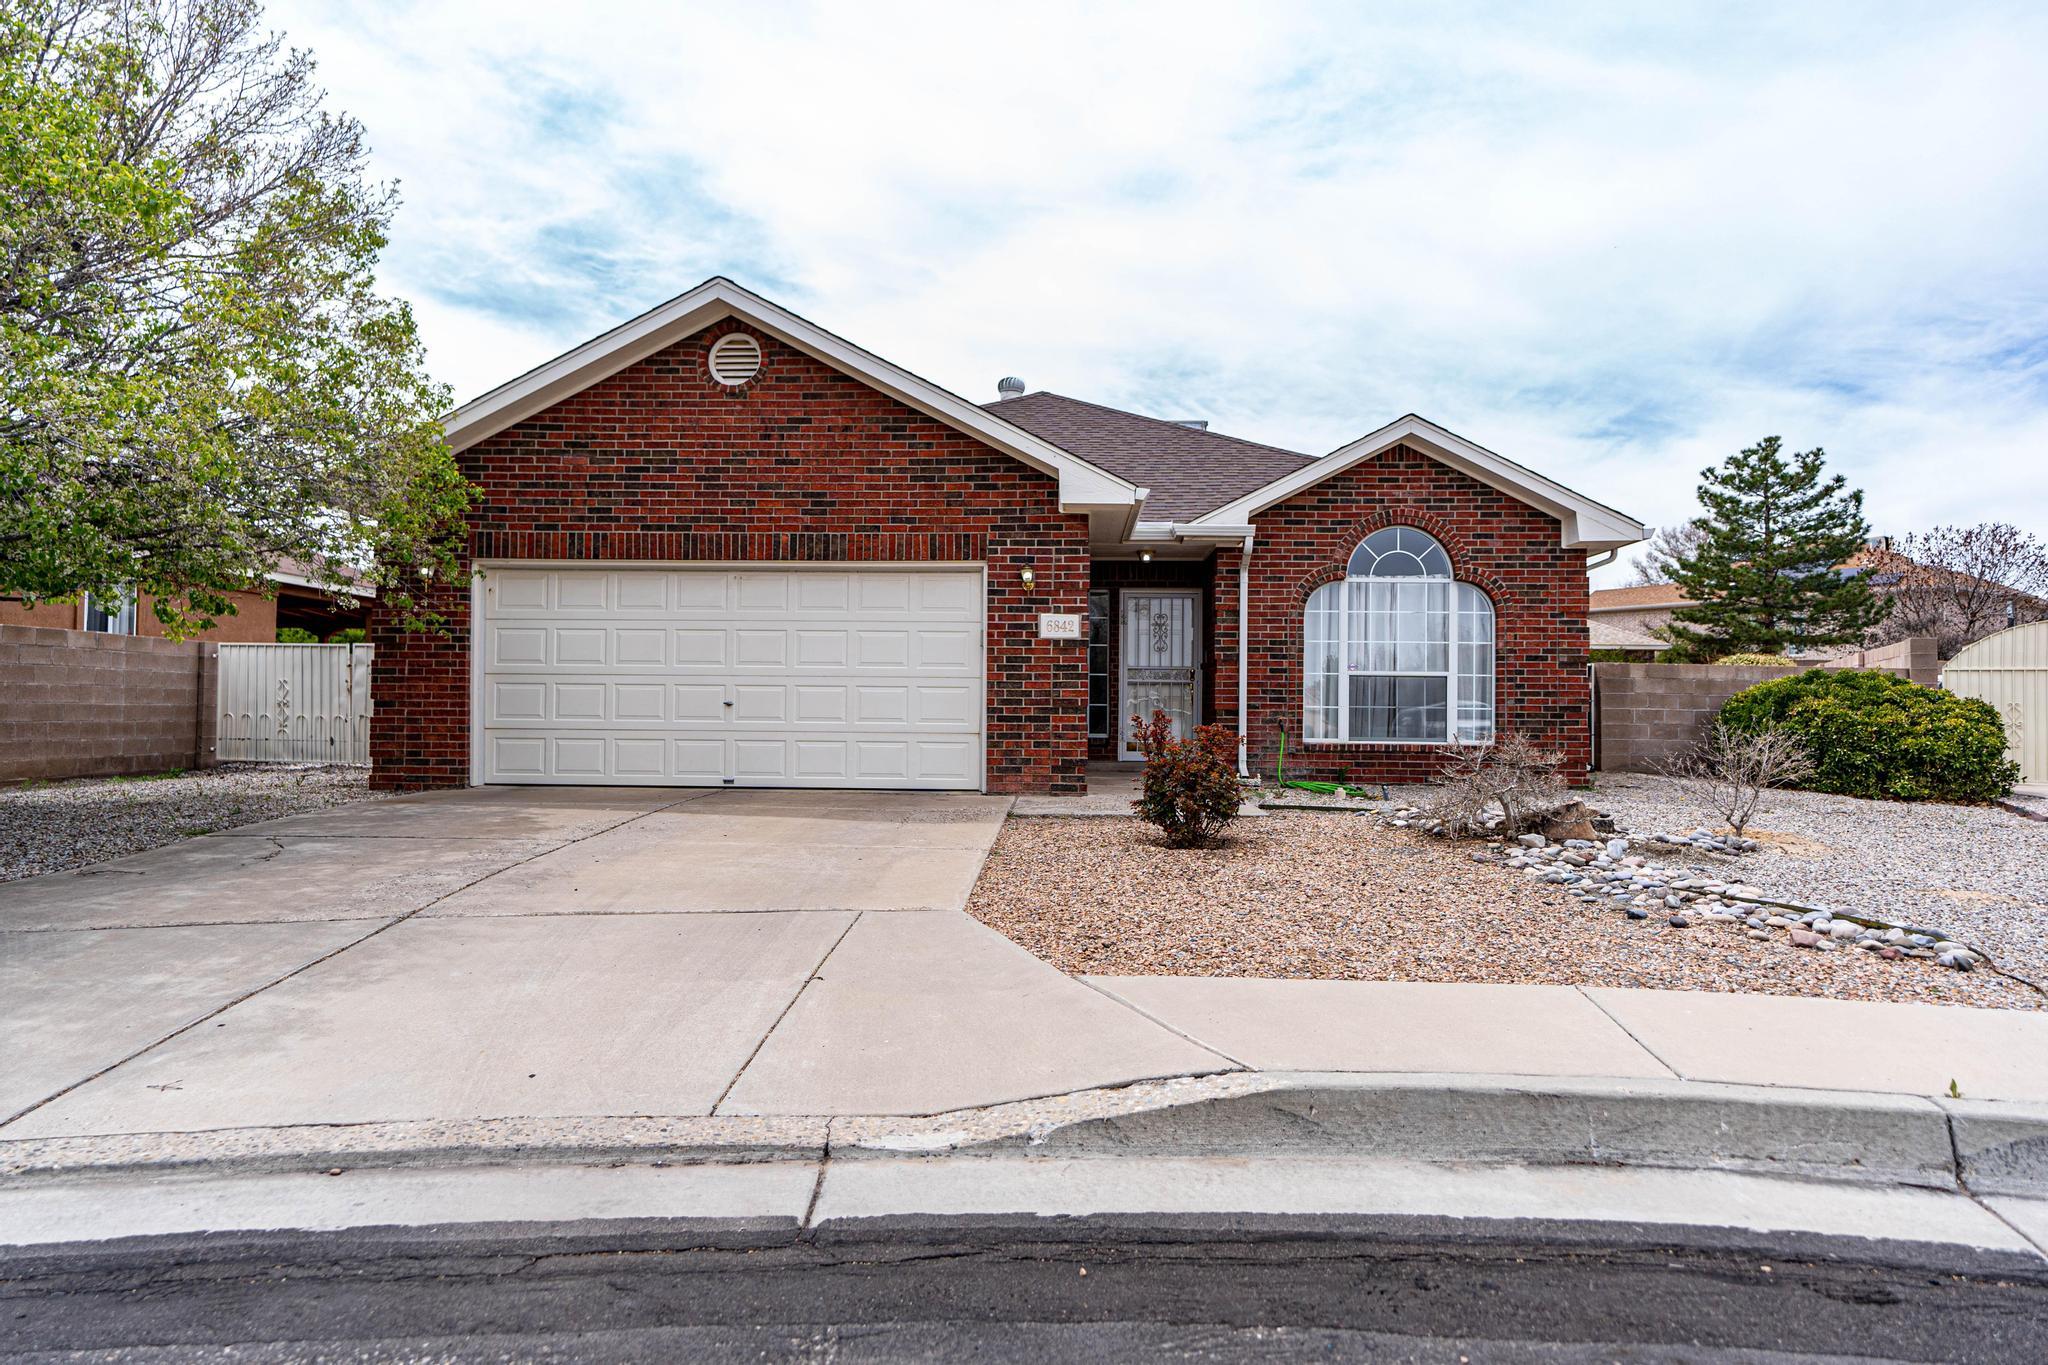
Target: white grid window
1399	652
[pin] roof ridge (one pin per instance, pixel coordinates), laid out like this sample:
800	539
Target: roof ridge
1156	421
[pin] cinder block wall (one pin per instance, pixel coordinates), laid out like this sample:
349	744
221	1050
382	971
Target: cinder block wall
1649	714
74	704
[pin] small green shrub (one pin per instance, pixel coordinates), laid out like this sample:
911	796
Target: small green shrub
296	635
1191	785
1758	660
349	635
1876	735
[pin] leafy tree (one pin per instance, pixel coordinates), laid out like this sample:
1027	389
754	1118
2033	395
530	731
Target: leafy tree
197	376
1767	577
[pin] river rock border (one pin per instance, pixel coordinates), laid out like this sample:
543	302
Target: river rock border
1609	872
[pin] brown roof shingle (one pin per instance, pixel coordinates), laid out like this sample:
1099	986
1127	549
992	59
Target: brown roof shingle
1189	471
1646	595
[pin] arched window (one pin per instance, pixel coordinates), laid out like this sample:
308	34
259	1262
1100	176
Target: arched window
1399	651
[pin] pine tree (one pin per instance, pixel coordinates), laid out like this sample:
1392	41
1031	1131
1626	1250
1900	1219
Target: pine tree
1767	575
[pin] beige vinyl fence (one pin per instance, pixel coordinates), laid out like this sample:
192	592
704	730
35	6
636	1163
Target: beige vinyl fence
294	704
2010	671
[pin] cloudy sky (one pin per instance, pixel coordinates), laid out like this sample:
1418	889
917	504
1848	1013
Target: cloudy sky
1614	242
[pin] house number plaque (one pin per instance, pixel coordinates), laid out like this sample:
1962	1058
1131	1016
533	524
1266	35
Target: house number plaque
1056	625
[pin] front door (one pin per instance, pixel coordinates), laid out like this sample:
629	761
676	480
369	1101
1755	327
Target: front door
1161	653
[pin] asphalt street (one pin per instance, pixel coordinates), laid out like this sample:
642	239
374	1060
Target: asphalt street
1054	1291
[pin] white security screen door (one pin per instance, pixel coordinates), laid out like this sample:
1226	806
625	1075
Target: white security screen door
843	677
1161	653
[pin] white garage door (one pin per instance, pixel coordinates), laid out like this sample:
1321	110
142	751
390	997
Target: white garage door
704	677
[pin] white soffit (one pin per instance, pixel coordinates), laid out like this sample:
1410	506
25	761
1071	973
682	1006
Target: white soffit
1082	485
1583	523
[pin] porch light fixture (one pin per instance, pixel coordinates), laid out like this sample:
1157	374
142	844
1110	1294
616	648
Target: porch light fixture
1028	578
1145	555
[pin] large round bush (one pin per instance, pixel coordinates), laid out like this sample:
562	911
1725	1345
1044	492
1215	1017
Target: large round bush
1876	735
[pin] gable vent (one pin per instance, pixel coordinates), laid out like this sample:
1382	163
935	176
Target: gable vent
735	359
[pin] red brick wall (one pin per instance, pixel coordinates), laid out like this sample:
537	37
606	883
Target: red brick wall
803	463
1505	546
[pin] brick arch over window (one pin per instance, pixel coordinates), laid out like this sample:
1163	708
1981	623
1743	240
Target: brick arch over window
1463	567
1506	548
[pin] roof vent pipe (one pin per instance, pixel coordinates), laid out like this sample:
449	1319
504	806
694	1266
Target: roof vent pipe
1010	386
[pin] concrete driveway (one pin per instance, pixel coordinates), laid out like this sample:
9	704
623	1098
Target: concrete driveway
544	952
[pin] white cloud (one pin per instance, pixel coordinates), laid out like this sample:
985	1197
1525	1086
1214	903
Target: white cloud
1614	245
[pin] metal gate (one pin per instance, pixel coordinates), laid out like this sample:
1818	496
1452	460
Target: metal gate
294	704
2010	671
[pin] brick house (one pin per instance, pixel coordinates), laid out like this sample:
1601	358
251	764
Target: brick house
719	545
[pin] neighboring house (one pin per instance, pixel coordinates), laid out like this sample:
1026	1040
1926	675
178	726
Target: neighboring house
1634	646
1633	614
721	546
295	600
1619	615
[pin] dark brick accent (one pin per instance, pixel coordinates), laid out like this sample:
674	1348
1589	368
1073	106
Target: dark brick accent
803	464
1505	546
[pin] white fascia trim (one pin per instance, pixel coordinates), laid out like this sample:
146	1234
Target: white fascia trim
1583	523
1196	530
301	581
1081	484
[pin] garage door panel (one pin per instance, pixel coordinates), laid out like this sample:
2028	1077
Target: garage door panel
639	646
946	761
944	649
819	704
641	592
830	593
640	701
699	761
947	595
740	677
517	701
760	592
517	590
881	704
700	648
817	648
519	646
699	702
582	592
754	648
950	706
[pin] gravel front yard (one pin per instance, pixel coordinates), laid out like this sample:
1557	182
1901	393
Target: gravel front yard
1978	871
55	826
1340	896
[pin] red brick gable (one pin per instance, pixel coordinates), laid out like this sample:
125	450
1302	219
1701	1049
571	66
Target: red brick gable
1504	545
803	463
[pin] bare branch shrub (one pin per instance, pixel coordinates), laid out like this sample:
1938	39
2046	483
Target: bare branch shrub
1735	768
1512	773
1960	583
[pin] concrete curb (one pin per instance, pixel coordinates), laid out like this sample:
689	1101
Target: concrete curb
1834	1135
2001	1147
1987	1147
